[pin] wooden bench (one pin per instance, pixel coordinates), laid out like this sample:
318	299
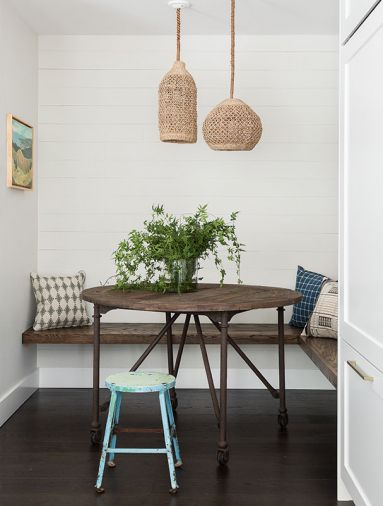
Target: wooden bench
323	352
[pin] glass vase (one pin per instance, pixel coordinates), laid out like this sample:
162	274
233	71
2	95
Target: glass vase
183	276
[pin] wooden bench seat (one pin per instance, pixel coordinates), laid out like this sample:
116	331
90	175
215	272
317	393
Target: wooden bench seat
144	333
323	352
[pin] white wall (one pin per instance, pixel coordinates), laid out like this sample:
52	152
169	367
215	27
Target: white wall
18	216
102	166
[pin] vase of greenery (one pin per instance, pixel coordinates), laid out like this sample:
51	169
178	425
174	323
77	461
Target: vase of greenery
164	256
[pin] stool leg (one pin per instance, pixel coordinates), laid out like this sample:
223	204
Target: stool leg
111	462
112	407
168	443
173	430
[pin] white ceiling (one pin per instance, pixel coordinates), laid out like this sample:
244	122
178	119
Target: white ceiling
138	17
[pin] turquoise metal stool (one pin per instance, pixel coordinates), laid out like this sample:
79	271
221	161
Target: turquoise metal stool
140	382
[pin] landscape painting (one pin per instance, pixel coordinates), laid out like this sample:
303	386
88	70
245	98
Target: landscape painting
20	153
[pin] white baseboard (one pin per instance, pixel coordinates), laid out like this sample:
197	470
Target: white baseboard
81	377
343	493
17	395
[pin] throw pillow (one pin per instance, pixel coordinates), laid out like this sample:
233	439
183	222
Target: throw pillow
309	285
324	319
59	302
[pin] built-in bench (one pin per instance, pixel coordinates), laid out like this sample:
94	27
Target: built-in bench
323	352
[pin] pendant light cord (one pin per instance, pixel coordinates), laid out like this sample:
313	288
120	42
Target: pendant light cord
232	53
178	34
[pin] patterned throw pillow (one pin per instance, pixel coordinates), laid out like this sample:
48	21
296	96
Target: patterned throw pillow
309	285
59	302
324	320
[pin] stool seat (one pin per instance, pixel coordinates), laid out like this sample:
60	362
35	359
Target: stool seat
140	381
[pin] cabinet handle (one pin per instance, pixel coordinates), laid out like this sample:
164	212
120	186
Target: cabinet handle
359	371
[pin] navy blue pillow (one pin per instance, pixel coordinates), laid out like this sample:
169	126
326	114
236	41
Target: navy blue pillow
309	285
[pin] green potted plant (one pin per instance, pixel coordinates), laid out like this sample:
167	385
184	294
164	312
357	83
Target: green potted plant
165	255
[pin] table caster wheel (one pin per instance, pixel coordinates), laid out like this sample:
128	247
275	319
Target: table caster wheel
100	490
173	491
111	464
223	457
95	437
283	420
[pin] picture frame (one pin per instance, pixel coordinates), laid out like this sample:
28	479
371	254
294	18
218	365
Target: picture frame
20	153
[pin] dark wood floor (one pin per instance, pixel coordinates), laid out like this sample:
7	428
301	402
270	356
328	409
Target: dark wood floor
46	458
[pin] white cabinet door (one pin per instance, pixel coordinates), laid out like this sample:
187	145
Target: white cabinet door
361	261
352	14
361	213
362	442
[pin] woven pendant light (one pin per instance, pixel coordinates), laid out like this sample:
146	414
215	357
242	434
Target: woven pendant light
232	125
177	100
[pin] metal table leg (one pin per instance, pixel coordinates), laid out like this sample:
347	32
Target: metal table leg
95	431
206	364
246	359
223	450
169	342
182	344
282	417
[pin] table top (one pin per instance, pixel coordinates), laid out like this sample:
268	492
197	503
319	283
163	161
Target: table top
207	298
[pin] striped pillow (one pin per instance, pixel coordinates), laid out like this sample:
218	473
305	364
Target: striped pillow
309	285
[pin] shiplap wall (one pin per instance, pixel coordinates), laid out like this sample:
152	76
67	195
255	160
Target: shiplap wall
102	165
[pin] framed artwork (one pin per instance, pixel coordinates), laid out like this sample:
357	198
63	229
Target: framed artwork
19	154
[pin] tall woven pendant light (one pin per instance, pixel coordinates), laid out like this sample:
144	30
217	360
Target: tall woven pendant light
232	125
177	97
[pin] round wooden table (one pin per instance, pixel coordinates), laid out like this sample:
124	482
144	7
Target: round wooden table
219	304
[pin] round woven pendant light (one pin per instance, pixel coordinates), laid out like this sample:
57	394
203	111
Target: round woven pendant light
232	125
177	99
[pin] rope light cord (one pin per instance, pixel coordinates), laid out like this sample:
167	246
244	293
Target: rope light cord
178	34
232	53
